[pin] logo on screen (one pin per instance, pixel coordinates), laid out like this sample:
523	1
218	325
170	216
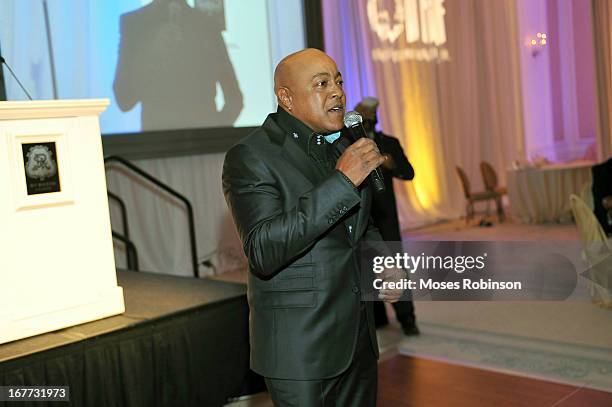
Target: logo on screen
419	22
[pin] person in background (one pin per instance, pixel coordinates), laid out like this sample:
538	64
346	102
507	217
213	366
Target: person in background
602	194
384	210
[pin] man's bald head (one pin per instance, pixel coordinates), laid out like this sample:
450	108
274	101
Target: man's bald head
308	85
289	66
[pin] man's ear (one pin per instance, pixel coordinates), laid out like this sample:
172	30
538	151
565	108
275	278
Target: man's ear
284	98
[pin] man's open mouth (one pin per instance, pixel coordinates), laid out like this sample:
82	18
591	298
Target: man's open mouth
336	109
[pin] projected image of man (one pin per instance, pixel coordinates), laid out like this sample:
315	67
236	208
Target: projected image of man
172	59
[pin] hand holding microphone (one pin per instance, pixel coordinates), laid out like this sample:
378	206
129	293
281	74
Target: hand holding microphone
362	158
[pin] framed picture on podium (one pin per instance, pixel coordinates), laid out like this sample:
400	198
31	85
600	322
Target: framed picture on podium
40	169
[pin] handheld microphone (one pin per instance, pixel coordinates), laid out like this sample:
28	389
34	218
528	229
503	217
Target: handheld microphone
3	61
353	120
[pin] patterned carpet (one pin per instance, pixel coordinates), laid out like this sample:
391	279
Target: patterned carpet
578	365
568	342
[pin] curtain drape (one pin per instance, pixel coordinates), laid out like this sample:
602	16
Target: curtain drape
445	111
602	31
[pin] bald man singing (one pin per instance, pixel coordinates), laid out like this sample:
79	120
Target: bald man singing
298	192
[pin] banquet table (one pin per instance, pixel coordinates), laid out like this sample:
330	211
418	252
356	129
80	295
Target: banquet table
541	195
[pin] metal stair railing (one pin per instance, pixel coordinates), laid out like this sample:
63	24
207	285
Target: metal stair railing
124	218
131	252
169	190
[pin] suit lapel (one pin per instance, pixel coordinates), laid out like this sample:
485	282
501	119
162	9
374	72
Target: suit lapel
299	159
292	153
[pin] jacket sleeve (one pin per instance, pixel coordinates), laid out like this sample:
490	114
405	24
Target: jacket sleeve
127	78
372	236
272	235
226	77
403	169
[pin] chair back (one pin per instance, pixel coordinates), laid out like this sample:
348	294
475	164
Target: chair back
597	251
588	226
465	183
489	176
587	195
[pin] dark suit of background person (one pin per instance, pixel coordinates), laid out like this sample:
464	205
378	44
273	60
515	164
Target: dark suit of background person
171	58
301	222
602	187
384	210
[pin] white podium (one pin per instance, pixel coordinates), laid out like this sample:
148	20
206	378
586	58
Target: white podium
56	252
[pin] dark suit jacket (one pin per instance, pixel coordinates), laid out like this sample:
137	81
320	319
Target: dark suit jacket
602	187
304	281
384	210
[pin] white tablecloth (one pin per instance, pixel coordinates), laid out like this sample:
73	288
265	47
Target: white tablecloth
539	195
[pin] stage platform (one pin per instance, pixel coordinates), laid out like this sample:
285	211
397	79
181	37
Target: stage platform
181	342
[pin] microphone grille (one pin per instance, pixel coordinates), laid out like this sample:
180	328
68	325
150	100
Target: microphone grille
352	119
